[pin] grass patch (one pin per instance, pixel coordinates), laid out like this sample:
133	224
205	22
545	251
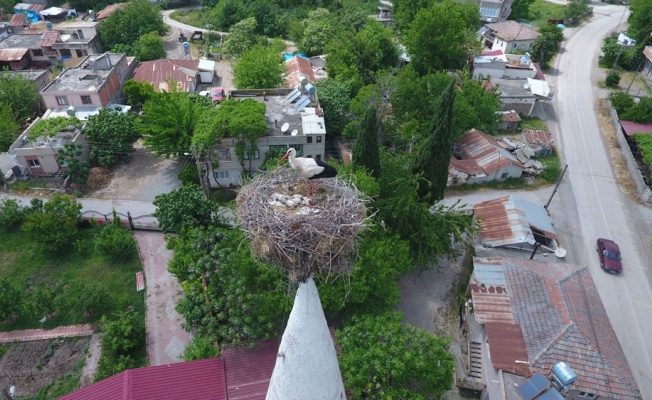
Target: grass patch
533	123
25	264
541	11
27	185
198	18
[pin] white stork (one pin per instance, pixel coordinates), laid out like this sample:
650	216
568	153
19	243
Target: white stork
309	168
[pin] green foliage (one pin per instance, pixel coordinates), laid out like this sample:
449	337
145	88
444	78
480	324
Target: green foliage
442	37
19	94
200	348
576	8
113	240
360	178
334	97
475	107
12	214
182	209
433	155
613	79
8	127
640	21
241	38
79	298
644	143
629	110
11	299
168	122
126	25
615	55
542	10
261	67
55	226
366	151
76	168
320	27
552	172
138	92
188	175
111	133
123	338
547	44
405	11
51	126
621	101
228	13
520	9
229	297
149	47
62	385
384	359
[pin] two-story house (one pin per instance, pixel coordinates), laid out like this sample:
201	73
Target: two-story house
508	36
494	10
96	82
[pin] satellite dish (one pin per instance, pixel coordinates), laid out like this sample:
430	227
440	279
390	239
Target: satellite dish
285	127
294	132
560	252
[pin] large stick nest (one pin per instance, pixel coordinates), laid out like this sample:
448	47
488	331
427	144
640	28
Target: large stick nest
302	236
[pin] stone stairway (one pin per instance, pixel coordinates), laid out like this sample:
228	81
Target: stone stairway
475	356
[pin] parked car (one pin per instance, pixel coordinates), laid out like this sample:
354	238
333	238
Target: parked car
218	95
609	254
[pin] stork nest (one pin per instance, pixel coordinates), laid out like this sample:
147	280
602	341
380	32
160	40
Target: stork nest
302	238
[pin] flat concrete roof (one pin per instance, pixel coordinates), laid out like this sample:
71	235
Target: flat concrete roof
22	41
82	79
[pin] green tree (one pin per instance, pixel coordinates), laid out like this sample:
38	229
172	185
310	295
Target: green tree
434	154
126	25
334	97
641	112
149	47
200	348
122	332
19	94
269	16
242	37
475	107
640	21
8	127
229	297
258	68
621	101
11	299
576	8
183	208
111	134
384	359
366	152
547	44
138	92
55	225
521	9
168	122
113	240
442	37
320	28
613	79
405	11
12	214
76	168
227	13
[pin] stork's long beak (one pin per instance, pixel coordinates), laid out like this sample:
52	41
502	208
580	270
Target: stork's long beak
283	158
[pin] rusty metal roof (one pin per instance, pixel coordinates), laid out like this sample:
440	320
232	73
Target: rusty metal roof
296	66
12	54
108	10
510	116
509	220
18	20
485	151
49	38
491	302
539	138
30	7
508	351
469	167
159	72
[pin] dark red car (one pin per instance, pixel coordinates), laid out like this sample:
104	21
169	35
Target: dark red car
218	95
609	254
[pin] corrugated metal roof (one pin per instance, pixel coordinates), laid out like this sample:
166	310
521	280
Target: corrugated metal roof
507	346
18	20
248	371
197	380
49	38
489	155
469	167
30	7
508	220
12	54
491	302
631	127
296	66
159	72
539	138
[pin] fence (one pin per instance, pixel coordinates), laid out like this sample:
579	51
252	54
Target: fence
141	222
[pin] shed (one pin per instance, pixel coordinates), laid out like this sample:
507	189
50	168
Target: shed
30	10
206	70
540	141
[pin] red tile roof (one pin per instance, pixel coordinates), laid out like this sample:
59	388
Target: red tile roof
159	72
510	31
18	20
488	53
248	371
197	380
108	10
631	127
296	66
483	149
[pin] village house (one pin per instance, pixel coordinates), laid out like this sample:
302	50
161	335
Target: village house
496	64
383	15
494	10
160	73
96	82
508	36
479	157
524	317
509	120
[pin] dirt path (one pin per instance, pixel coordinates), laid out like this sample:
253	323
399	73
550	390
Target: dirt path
92	360
166	339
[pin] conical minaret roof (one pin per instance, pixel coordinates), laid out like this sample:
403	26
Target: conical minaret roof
306	364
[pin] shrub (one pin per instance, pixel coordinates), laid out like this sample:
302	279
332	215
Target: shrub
114	240
12	214
188	175
613	79
621	101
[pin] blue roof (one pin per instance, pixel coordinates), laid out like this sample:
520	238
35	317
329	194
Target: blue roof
534	214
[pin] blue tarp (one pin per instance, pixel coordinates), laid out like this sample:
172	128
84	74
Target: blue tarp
287	56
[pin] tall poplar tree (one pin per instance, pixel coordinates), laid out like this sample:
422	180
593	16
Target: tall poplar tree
365	152
434	155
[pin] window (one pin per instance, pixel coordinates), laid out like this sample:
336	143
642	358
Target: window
318	139
221	175
504	175
488	12
86	100
309	139
34	163
62	100
309	156
252	153
37	52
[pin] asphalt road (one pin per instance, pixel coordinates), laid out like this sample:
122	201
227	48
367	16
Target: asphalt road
591	198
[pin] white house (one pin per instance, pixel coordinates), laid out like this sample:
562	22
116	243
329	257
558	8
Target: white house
509	36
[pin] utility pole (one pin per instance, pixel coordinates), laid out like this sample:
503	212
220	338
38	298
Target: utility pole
554	191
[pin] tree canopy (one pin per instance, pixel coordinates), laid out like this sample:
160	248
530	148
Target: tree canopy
111	133
382	358
261	67
138	92
126	25
183	208
19	95
241	38
366	151
442	37
334	97
149	47
55	225
547	44
520	9
640	21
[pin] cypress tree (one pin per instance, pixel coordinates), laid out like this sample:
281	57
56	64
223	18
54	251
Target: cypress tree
365	152
434	155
